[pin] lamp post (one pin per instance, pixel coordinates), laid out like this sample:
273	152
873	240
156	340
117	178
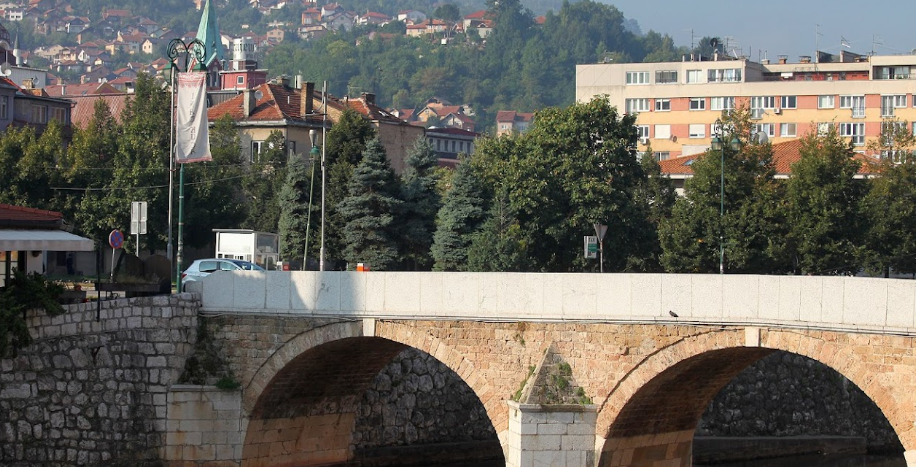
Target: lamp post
718	144
313	157
324	141
197	50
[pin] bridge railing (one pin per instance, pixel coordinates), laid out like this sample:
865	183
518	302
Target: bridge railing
842	303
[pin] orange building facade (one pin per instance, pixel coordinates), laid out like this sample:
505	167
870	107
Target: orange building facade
678	102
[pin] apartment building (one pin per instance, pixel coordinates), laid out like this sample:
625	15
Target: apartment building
678	102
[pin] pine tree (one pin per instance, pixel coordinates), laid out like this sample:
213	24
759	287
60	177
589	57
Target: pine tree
461	215
295	197
369	211
421	204
501	244
262	184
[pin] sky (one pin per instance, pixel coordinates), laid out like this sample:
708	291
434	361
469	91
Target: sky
782	27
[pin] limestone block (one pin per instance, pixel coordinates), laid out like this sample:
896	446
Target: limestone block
811	291
865	300
401	293
645	295
217	291
328	292
461	297
708	296
552	287
353	292
832	296
303	294
577	442
278	285
580	296
551	428
901	304
249	288
677	296
789	299
431	285
488	294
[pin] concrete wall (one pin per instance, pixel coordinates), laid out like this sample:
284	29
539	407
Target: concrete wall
809	302
204	424
94	391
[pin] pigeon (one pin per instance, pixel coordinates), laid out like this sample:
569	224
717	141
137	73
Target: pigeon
672	313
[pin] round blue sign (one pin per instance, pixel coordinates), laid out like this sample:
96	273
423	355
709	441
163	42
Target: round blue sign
116	239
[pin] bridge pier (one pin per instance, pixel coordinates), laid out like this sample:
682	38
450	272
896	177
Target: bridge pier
555	435
910	457
673	449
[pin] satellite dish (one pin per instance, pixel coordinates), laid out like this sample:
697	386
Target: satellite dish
258	95
5	69
761	137
673	138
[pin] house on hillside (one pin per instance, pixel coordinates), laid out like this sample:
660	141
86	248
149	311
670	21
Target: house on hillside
508	121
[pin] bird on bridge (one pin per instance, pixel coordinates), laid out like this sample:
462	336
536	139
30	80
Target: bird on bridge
672	313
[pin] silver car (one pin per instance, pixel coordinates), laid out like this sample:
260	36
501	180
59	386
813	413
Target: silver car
204	267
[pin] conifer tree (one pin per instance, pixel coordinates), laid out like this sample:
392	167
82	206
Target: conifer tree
369	211
462	213
421	205
294	210
501	244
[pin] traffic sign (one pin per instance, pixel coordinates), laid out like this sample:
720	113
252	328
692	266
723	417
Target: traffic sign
116	239
591	246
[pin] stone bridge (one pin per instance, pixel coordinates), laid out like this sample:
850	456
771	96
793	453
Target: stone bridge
645	353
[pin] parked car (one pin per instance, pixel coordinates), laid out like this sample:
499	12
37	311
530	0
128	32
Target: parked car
204	267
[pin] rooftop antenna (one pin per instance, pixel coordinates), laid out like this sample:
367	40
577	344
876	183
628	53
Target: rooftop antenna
875	40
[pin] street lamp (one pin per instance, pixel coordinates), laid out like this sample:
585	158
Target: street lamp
313	157
198	51
718	144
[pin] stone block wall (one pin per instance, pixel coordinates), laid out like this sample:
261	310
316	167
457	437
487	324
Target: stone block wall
92	387
204	425
559	435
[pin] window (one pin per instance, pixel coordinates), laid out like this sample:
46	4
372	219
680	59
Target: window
722	103
4	107
892	72
39	114
856	131
891	102
662	105
637	105
726	75
59	114
662	131
855	103
694	76
759	104
666	77
697	130
637	77
889	131
788	102
291	148
826	102
256	148
765	128
662	156
787	130
240	80
643	131
824	128
697	103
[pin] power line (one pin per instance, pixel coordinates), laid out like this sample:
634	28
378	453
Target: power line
151	187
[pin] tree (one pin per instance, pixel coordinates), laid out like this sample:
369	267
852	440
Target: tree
261	185
658	195
295	199
890	214
421	204
346	141
501	244
574	167
822	198
462	213
747	224
369	211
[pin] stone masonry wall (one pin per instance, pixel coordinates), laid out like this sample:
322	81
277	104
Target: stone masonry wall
785	394
416	399
93	392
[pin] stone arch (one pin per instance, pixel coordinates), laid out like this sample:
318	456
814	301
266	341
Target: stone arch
298	422
652	412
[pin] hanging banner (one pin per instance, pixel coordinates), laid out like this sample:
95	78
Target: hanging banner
192	140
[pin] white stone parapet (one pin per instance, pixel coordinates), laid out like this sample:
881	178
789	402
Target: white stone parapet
812	302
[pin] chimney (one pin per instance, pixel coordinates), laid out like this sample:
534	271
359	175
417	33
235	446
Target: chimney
305	101
369	98
249	102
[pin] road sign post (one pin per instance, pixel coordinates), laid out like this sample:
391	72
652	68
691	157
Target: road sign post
116	240
138	221
591	247
600	231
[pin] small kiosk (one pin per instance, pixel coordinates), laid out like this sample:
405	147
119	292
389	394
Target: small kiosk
261	248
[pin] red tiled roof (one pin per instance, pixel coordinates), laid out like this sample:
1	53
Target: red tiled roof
513	116
276	103
476	15
785	154
58	90
444	110
9	212
84	107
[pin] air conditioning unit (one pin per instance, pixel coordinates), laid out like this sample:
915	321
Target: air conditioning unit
643	140
777	111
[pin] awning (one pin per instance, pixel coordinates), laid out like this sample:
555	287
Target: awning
43	240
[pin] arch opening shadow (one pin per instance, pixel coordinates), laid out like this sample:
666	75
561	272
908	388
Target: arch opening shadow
657	424
368	401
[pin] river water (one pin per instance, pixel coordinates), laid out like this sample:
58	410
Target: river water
820	461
